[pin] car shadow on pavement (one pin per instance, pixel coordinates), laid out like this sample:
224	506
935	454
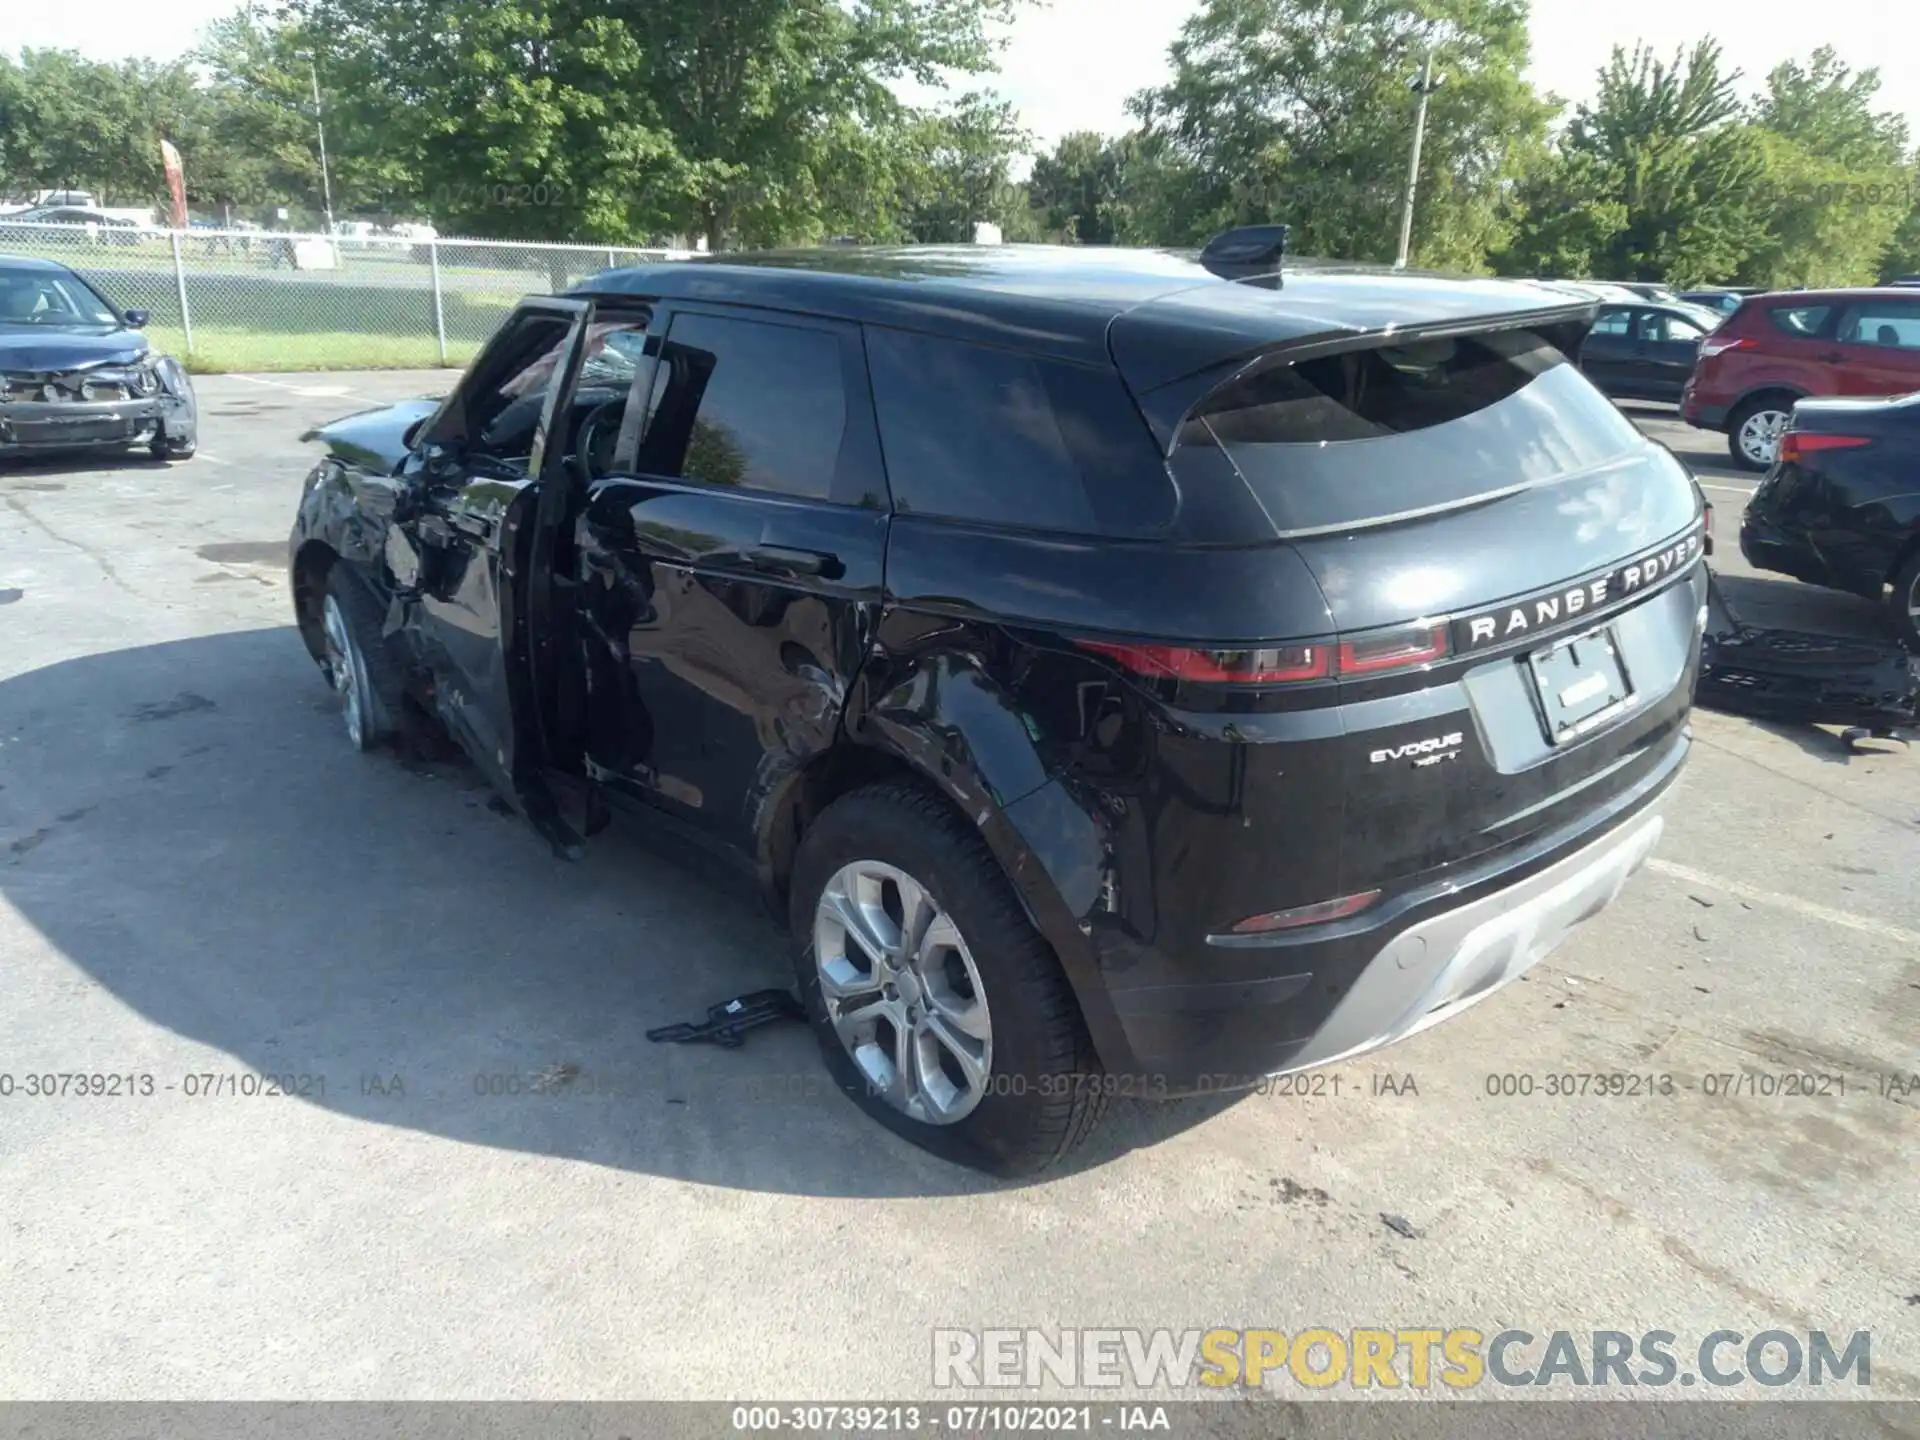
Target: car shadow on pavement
25	470
185	824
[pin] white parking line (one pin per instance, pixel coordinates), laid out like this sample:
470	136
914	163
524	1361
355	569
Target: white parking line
1730	489
210	459
322	391
1844	918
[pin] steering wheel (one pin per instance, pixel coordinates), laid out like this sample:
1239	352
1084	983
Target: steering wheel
594	441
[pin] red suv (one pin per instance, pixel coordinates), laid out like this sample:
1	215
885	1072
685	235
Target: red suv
1776	349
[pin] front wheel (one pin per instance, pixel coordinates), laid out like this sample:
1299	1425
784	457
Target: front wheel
358	666
940	1010
1754	431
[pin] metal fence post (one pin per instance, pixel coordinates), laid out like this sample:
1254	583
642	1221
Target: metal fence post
439	311
611	262
180	289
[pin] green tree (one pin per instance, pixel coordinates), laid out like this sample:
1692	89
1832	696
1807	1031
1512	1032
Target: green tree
68	123
1081	186
1902	256
1837	185
258	146
1567	210
1660	178
1300	111
962	172
752	121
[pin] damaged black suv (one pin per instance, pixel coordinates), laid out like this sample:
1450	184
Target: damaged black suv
1127	673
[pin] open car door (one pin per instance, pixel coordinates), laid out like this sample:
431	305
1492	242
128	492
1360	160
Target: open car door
462	550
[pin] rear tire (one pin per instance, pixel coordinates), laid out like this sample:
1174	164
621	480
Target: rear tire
358	664
1754	428
969	1042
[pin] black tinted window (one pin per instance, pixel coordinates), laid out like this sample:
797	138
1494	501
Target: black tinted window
1801	320
1663	325
1367	435
975	433
748	403
510	384
47	297
1894	323
505	414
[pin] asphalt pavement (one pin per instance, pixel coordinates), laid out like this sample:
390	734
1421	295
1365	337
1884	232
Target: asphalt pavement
486	1184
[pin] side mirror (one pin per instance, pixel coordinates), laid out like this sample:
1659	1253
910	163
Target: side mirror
136	319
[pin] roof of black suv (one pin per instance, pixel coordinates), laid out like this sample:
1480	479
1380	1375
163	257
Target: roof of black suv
1064	300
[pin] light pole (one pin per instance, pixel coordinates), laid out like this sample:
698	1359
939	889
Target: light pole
1423	85
320	127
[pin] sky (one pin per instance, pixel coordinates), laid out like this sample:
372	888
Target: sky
1071	64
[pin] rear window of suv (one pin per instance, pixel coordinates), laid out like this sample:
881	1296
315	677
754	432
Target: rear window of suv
1366	436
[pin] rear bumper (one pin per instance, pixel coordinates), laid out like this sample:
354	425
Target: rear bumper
1306	1002
1768	546
31	426
1702	417
1434	970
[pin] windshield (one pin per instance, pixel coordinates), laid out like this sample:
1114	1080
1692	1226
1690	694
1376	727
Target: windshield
51	300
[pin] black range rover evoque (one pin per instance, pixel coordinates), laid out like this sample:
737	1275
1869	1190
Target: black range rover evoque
1126	672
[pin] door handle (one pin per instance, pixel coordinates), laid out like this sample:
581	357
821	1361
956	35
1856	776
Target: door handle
788	560
1830	358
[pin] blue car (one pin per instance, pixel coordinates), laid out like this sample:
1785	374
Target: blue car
77	374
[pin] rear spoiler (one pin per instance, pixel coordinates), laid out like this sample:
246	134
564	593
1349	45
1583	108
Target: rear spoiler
1176	351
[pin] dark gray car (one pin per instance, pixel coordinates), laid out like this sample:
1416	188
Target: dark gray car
1645	352
77	374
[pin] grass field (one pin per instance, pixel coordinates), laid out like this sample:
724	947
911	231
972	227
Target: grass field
375	312
262	322
220	348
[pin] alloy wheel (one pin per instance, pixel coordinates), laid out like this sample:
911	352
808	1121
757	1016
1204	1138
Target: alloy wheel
902	992
344	671
1760	435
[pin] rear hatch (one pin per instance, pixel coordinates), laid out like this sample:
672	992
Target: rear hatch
1510	572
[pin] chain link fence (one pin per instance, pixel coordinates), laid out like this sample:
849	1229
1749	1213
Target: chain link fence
260	300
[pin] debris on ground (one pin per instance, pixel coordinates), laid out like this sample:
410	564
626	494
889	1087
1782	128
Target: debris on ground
1870	686
1400	1225
727	1023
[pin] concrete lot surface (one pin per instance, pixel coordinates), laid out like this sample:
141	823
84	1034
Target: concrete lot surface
198	879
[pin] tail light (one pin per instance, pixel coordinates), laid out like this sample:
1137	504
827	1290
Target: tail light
1300	915
1395	650
1796	445
1717	344
1373	654
1274	665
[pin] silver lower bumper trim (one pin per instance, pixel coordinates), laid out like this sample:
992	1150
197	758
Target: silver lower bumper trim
1439	967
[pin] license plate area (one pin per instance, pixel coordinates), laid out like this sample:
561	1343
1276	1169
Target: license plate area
1579	684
